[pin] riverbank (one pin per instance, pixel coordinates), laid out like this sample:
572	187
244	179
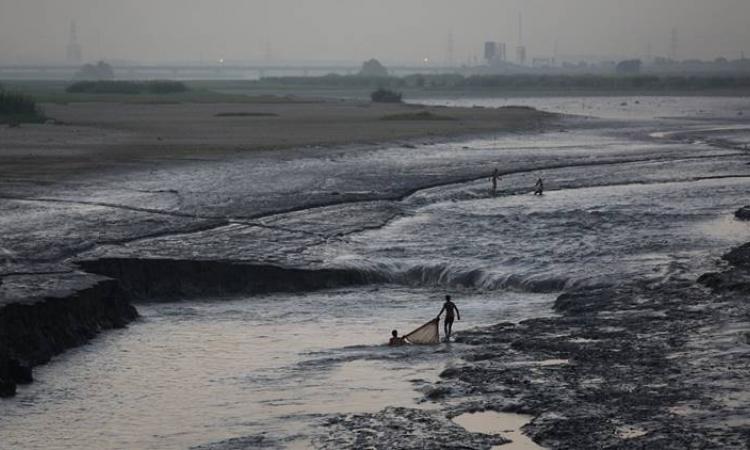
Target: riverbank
174	129
642	365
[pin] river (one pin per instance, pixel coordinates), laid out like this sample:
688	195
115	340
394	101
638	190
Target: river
645	189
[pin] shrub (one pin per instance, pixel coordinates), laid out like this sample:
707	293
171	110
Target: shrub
386	96
16	108
103	87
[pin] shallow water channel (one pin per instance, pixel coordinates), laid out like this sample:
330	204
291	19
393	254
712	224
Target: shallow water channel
189	373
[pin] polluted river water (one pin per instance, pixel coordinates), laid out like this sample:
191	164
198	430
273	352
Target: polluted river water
505	424
200	371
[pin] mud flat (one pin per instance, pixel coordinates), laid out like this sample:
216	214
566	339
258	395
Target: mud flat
87	185
120	131
34	329
642	365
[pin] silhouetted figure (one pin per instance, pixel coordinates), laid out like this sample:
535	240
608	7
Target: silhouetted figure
395	340
495	177
451	312
539	187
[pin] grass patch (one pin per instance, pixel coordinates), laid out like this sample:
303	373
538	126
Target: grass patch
246	114
18	108
422	115
127	87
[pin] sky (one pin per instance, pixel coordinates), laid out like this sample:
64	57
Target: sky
403	31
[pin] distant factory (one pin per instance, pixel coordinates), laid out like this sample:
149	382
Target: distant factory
494	52
497	60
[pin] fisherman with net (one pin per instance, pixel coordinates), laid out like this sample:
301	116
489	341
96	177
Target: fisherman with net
396	341
451	312
429	333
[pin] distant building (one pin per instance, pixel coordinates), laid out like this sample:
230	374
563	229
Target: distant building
100	71
543	63
73	52
629	67
490	51
521	55
501	52
495	52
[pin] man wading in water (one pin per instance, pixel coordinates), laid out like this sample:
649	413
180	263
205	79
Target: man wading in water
495	176
539	187
395	340
450	308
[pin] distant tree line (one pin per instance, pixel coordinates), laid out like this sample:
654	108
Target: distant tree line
519	82
629	67
127	87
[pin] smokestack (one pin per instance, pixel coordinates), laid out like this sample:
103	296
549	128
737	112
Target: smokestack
673	45
449	50
521	49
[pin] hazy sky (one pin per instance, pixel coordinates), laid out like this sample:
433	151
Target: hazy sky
392	30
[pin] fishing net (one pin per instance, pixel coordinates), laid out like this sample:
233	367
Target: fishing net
427	334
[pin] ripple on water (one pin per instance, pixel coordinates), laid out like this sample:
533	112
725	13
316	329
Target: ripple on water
243	366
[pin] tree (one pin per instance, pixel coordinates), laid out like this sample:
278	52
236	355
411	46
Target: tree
373	68
100	71
386	96
629	67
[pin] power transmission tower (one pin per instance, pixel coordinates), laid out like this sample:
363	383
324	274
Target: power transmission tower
73	53
449	50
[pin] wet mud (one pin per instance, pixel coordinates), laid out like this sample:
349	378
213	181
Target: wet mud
640	365
403	428
31	333
149	280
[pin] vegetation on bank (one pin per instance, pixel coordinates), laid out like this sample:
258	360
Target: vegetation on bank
421	115
55	91
293	90
18	108
127	87
528	82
